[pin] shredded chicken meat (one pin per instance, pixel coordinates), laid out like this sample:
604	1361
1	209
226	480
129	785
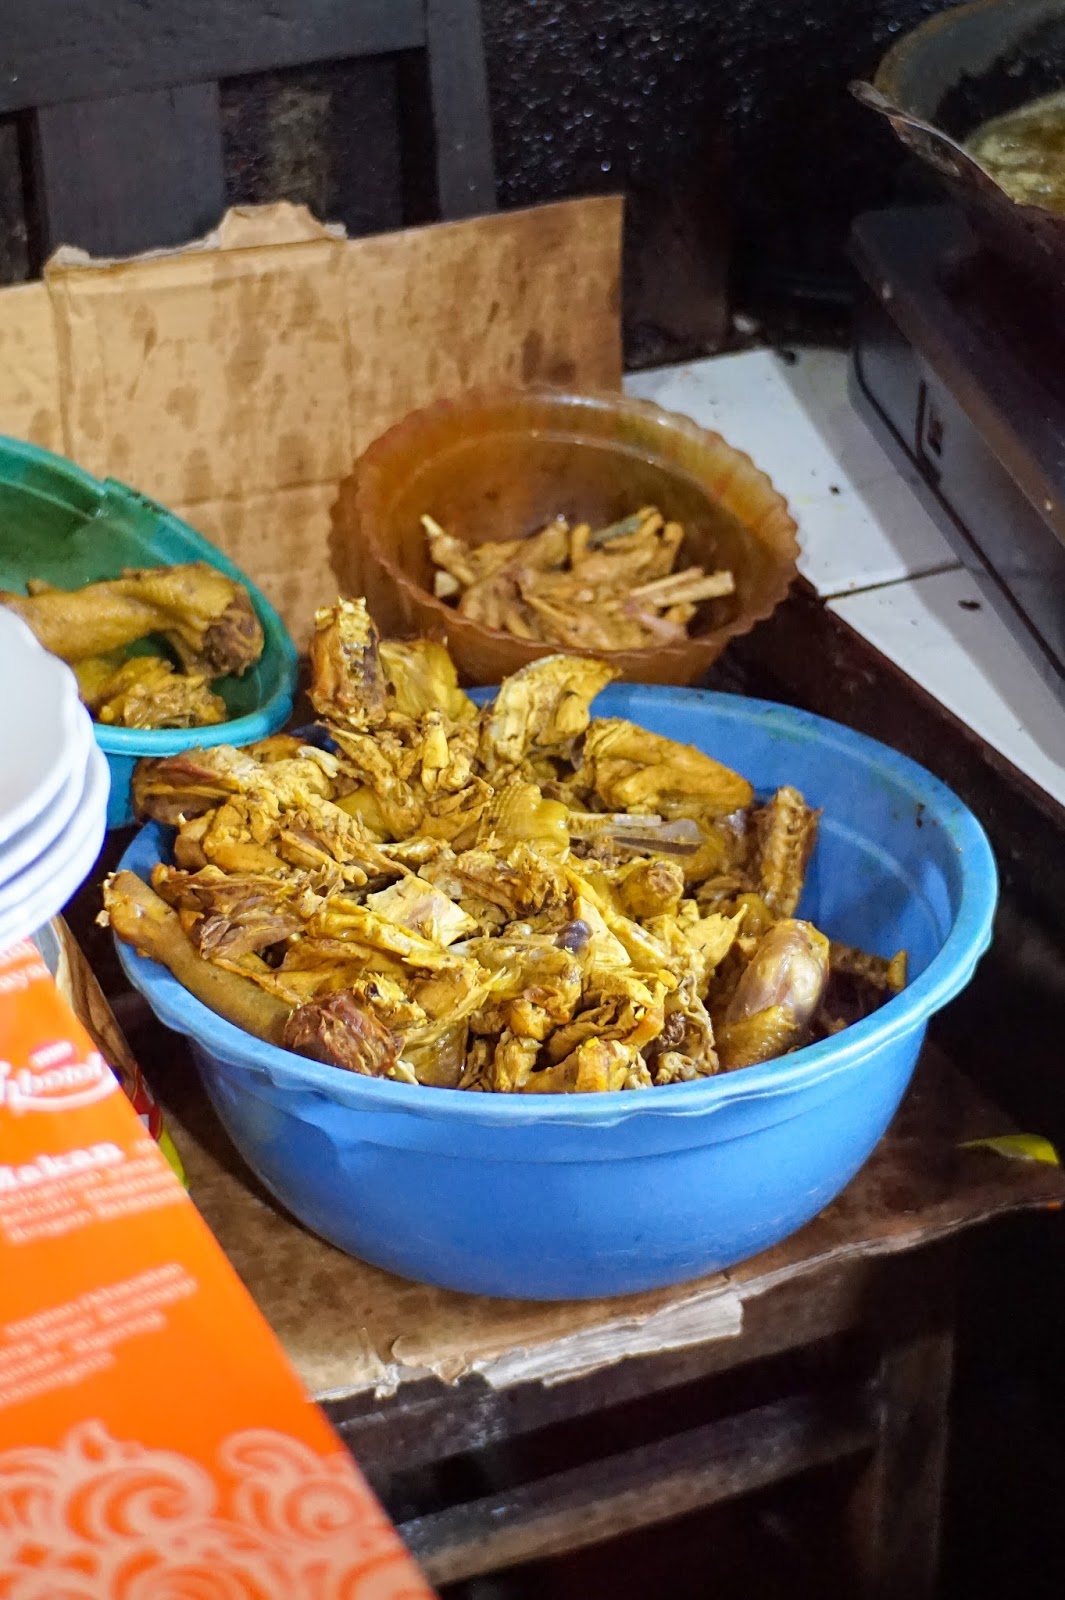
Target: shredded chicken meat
523	899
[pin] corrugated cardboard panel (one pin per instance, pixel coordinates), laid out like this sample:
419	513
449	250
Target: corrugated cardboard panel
239	378
516	298
29	367
282	538
211	374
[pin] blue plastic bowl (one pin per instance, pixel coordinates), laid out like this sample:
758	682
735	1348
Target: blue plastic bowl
60	523
580	1196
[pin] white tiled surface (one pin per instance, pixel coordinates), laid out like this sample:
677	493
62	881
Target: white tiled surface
970	661
871	549
859	524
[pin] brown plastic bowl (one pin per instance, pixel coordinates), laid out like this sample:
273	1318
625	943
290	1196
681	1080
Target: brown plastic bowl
498	465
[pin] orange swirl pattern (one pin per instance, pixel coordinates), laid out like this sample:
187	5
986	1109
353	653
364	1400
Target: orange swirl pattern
100	1517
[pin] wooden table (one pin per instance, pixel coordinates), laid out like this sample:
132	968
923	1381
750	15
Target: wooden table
498	1432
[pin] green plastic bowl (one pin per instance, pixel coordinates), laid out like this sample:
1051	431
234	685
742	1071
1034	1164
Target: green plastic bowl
61	524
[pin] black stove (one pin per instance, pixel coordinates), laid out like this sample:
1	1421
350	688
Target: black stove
958	365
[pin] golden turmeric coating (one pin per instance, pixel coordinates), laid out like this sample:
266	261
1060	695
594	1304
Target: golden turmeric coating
205	618
523	899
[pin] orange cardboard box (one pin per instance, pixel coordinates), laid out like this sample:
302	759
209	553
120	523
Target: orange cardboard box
154	1443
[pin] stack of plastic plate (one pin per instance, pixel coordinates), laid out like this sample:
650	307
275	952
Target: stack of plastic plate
53	785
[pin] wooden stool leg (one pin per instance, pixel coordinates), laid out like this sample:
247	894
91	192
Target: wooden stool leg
895	1509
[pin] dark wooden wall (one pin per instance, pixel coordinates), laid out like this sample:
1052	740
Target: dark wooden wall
697	108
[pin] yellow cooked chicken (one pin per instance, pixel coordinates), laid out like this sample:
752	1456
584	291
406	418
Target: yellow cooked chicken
521	900
146	692
606	589
205	617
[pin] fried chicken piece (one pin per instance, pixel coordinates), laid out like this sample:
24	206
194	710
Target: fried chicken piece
458	819
146	692
281	747
535	987
695	946
458	774
673	1066
140	917
190	783
387	769
542	706
338	1031
422	678
268	830
633	1014
453	993
521	883
685	1048
238	836
512	1064
206	616
388	1001
347	681
858	985
262	815
785	832
228	916
776	998
519	813
339	917
617	835
95	672
313	967
596	1066
319	835
634	769
437	1056
412	903
887	976
651	888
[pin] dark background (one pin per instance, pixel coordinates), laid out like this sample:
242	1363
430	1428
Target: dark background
727	123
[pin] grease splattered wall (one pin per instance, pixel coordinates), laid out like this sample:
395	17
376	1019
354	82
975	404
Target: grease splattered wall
698	108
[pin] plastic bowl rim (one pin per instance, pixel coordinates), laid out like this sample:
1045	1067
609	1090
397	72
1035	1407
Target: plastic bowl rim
591	399
143	742
946	974
266	717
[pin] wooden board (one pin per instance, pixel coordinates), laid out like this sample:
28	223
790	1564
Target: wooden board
155	160
111	47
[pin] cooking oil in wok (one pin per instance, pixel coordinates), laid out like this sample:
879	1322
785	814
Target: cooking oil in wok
1024	151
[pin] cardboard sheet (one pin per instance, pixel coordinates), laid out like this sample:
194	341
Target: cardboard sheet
238	379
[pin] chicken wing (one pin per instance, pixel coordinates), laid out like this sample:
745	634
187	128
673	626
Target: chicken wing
633	769
206	616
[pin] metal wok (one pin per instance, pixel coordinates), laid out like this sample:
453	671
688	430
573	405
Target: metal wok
958	70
